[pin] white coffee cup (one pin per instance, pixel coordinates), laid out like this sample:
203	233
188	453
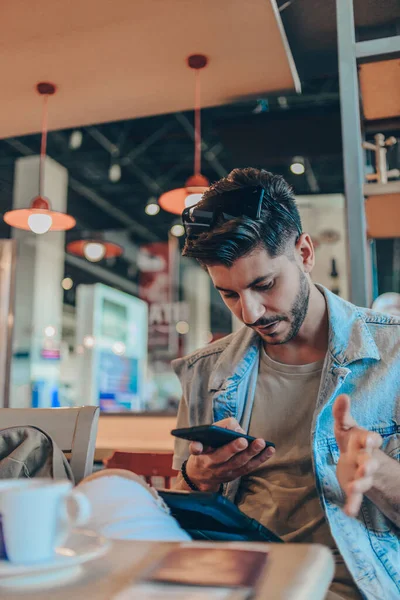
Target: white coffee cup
37	516
6	484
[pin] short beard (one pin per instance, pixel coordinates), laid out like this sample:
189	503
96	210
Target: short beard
299	310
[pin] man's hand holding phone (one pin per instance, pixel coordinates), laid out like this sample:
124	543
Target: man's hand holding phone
207	468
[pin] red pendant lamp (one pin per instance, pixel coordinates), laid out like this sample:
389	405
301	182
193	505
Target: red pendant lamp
175	201
39	217
93	246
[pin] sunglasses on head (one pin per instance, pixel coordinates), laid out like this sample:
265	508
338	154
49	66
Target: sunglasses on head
244	202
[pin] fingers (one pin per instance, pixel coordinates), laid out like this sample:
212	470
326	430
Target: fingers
230	423
360	486
367	465
236	462
362	439
353	505
342	414
354	495
196	448
230	461
247	461
343	421
362	443
257	461
243	458
242	463
225	453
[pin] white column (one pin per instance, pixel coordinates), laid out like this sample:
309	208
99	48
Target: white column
40	269
7	279
196	283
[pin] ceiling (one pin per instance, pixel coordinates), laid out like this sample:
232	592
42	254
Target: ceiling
310	26
241	128
123	60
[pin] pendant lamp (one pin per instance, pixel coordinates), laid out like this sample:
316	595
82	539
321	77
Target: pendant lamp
93	247
175	201
39	217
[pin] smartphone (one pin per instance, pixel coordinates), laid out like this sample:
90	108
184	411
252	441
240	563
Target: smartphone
212	435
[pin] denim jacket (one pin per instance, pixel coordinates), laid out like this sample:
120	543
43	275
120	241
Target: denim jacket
363	360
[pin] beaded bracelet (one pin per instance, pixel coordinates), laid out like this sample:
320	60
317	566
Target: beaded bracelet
190	483
187	478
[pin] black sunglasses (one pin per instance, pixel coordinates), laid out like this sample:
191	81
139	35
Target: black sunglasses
244	202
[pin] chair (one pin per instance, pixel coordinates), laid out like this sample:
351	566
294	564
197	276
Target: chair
74	431
146	464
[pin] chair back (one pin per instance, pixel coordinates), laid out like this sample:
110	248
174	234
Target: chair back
74	431
147	464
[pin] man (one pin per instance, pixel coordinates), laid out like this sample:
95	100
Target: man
291	375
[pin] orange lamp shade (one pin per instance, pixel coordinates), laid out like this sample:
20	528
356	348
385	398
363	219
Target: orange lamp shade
77	248
174	201
20	218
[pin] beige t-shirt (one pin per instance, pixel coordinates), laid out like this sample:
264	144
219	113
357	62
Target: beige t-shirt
282	494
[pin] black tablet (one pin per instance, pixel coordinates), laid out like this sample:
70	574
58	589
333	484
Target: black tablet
208	516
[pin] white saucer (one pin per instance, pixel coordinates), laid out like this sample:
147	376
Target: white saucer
80	547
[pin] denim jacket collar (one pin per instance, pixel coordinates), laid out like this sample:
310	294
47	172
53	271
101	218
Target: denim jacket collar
349	341
349	337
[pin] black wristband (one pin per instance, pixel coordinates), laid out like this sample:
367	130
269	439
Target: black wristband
187	478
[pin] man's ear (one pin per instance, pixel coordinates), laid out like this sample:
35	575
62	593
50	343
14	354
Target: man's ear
306	252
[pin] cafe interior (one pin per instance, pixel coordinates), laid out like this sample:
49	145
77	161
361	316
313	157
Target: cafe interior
116	116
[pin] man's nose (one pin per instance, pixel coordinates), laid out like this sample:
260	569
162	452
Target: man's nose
252	310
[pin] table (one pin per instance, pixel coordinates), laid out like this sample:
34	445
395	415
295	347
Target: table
294	572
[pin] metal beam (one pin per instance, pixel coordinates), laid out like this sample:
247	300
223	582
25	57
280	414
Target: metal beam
20	147
128	160
164	179
104	274
103	140
146	180
382	48
310	177
352	154
118	214
149	141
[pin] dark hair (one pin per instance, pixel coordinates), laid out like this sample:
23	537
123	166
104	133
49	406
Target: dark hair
230	240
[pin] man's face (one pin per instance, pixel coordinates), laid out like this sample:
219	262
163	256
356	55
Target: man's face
270	295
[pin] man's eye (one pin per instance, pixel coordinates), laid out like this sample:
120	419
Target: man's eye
228	295
264	288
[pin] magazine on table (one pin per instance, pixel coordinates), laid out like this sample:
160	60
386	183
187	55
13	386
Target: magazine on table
196	571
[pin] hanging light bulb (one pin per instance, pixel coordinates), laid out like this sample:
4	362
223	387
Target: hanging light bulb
75	139
182	327
93	246
39	218
50	331
297	167
152	207
114	173
67	283
89	341
177	230
175	201
192	199
94	251
40	223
